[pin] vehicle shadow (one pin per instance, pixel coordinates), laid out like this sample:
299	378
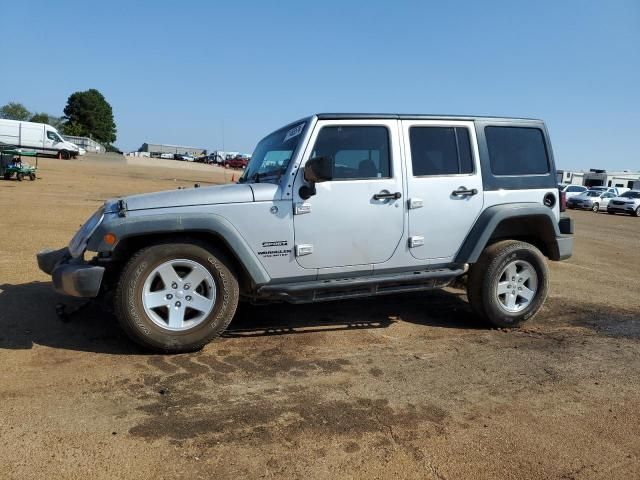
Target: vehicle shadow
28	316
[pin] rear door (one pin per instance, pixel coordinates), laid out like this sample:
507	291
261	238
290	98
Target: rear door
444	186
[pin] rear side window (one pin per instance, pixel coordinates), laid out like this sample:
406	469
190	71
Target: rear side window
440	151
517	151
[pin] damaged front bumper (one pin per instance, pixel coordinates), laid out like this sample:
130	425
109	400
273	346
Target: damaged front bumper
71	276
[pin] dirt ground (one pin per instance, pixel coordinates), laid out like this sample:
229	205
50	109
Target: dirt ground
396	387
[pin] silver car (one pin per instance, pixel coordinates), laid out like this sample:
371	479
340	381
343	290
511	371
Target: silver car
590	200
628	202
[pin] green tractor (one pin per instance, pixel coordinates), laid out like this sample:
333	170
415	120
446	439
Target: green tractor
11	165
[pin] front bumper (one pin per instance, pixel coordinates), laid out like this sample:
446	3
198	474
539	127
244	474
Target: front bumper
70	276
621	208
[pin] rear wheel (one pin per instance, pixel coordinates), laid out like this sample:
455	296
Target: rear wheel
32	177
595	207
509	283
7	176
636	213
20	176
176	297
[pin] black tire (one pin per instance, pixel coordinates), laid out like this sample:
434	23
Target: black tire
32	177
485	275
636	212
131	313
19	176
7	176
596	207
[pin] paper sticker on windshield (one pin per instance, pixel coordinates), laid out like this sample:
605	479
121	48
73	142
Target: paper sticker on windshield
294	132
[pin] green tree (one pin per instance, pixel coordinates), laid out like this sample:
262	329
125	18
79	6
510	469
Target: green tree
15	111
40	118
88	114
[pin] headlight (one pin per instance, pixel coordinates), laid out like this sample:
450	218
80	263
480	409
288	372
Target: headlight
78	243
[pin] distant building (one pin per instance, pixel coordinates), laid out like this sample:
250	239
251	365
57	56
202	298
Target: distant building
157	149
600	178
89	144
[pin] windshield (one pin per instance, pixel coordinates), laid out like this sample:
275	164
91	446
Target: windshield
593	193
631	194
272	155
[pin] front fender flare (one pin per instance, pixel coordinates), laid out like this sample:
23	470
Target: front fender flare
140	225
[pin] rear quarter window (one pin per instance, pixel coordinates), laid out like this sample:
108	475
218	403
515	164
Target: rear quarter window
517	150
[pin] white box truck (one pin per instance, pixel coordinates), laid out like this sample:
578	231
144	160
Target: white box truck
40	137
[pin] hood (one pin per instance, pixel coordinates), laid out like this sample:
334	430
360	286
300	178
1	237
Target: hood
229	193
71	146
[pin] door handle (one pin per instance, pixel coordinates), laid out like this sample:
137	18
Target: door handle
464	192
384	195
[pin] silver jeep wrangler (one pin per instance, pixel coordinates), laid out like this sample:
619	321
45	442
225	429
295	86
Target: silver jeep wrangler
332	206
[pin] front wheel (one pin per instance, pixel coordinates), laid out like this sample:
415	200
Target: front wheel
636	212
176	297
595	207
20	176
509	283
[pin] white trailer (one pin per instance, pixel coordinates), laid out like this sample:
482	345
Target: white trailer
42	138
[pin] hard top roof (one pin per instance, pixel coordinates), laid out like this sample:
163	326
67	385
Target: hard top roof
413	116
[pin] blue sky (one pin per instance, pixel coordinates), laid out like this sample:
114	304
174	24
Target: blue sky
174	72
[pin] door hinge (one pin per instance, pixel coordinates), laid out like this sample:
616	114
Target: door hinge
302	250
415	203
302	208
416	241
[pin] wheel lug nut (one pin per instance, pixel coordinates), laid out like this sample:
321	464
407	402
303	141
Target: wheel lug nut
520	288
187	286
178	304
174	285
508	286
169	296
188	298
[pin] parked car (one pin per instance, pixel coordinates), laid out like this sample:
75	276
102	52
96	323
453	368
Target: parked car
571	190
628	202
613	190
331	207
167	156
591	200
239	161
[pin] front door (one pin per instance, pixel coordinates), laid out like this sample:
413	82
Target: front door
444	186
357	218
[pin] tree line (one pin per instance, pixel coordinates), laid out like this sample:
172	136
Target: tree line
87	114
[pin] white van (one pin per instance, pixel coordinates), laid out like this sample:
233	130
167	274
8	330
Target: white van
40	137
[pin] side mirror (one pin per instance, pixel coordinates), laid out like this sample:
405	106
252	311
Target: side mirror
318	169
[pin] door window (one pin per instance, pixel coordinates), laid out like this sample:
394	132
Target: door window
52	136
440	151
358	152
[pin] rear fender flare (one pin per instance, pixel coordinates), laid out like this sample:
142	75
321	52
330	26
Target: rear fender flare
489	221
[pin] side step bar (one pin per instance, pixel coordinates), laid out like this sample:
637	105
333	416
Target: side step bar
340	288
